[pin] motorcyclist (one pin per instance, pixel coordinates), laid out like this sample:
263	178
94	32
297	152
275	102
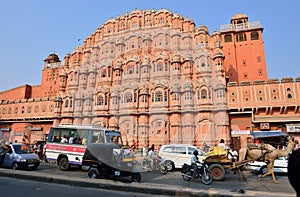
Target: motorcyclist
194	161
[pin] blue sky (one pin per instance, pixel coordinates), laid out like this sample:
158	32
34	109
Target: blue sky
30	30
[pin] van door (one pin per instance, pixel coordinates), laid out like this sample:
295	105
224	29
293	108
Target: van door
182	156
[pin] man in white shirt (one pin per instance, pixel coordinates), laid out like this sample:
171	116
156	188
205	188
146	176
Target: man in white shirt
222	144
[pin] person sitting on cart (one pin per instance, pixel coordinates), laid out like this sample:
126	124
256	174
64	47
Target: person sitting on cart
194	161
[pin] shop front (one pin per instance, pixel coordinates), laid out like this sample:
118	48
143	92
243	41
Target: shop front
275	138
294	131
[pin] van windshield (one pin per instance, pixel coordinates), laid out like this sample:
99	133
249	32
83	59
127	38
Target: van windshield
22	149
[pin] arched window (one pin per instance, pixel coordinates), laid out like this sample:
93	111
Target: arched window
67	103
100	100
103	73
158	96
127	97
160	67
175	97
203	94
130	70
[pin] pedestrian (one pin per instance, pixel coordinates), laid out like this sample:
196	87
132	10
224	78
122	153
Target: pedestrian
294	171
3	150
158	149
133	146
145	151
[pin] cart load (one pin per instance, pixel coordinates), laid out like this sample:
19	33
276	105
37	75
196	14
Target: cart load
218	161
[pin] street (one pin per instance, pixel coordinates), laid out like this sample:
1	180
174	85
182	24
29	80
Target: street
22	188
153	183
231	182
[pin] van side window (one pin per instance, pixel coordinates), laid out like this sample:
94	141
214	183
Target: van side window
168	149
97	137
191	150
56	136
181	150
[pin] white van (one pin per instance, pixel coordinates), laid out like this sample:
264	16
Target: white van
20	156
175	155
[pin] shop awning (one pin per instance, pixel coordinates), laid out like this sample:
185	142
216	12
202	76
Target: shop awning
265	134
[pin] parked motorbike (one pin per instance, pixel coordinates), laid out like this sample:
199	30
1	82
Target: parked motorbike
158	164
187	172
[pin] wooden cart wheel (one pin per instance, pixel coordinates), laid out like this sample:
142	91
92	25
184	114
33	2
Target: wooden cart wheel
217	171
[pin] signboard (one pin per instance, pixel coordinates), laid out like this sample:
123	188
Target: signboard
264	126
240	132
291	128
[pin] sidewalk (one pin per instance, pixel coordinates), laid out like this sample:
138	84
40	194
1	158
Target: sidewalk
147	188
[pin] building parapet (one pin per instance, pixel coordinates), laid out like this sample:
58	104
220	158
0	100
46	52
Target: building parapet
287	80
230	84
273	81
259	82
245	83
240	27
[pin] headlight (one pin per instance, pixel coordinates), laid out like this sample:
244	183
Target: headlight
22	160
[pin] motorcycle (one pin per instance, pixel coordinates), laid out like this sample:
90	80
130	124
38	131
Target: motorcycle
187	172
158	164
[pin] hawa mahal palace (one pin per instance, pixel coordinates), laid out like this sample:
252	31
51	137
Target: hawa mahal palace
159	79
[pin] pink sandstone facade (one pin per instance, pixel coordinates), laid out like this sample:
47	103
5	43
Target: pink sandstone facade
158	79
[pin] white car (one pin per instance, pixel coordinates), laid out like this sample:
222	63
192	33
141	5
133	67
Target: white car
175	155
280	166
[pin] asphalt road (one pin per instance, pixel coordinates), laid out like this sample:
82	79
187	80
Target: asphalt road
174	178
23	188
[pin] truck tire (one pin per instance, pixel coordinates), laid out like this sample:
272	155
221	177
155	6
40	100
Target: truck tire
63	164
217	171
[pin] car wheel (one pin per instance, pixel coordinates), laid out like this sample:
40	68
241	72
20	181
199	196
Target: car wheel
217	171
263	170
169	165
63	164
15	166
136	177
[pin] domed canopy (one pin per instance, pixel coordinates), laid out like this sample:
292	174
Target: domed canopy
52	58
202	29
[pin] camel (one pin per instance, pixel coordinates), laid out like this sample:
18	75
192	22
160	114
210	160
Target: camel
266	153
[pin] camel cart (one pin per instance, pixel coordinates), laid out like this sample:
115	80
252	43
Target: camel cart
218	162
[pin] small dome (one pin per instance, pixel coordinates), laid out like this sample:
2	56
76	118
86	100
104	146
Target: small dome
216	32
52	58
202	29
218	54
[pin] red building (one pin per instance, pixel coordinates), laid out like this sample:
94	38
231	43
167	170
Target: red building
158	79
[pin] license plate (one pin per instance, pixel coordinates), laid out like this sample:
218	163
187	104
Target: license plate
30	165
117	173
